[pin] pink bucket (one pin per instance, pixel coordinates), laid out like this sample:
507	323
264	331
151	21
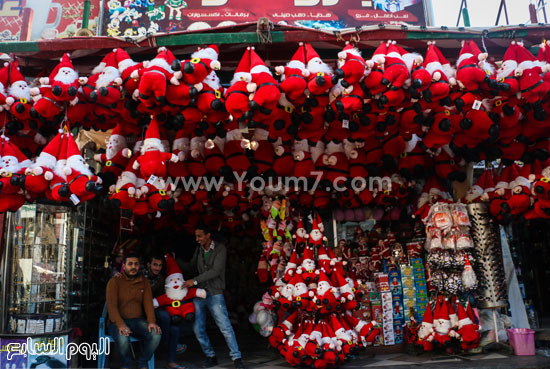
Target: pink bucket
522	340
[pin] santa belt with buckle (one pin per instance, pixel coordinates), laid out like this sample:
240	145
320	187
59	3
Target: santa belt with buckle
417	68
58	184
357	60
163	193
77	177
450	162
405	154
467	66
111	163
177	303
353	95
534	86
373	149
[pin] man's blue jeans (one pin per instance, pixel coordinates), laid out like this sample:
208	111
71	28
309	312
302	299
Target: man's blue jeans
170	333
216	305
149	342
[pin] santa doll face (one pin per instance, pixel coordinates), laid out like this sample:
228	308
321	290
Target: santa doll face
77	163
507	68
10	164
115	144
174	283
107	76
287	291
316	235
301	232
425	330
308	264
213	80
300	289
442	326
66	75
20	90
323	287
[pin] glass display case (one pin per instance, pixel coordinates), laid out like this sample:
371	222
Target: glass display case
37	241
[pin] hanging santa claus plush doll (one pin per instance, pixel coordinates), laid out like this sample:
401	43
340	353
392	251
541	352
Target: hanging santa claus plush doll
18	94
158	195
294	77
236	96
472	68
11	166
107	84
123	193
351	66
395	75
440	86
153	159
467	330
82	182
234	151
264	88
154	77
203	61
39	174
178	300
126	66
533	89
59	188
63	80
116	156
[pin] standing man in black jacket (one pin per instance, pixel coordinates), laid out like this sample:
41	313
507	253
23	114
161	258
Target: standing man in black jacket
209	262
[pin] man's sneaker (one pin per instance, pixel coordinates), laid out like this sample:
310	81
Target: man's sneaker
181	348
210	362
239	364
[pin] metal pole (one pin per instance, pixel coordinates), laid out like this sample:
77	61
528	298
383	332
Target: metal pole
429	13
460	12
99	31
86	14
543	6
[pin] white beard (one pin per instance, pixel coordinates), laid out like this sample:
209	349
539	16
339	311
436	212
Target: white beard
323	288
127	63
152	147
66	78
126	178
206	53
12	168
58	170
107	77
318	66
213	81
159	62
77	165
299	289
315	235
442	328
174	294
2	89
287	291
424	330
20	90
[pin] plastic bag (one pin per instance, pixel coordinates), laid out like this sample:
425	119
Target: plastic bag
460	215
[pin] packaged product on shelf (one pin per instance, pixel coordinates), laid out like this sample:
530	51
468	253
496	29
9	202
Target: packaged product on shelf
382	282
395	281
364	312
408	282
409	293
409	307
374	296
417	265
370	286
421	288
406	271
398	331
376	309
398	309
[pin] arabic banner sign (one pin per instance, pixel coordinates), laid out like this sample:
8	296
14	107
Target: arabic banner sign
36	352
143	17
50	18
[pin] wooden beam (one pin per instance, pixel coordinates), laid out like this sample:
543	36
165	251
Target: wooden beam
19	47
217	38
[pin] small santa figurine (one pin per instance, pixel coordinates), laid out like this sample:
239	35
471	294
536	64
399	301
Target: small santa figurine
116	156
178	300
426	331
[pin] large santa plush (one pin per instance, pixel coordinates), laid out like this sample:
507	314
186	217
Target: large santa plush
178	300
116	156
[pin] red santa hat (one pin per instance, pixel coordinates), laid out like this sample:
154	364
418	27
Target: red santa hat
172	268
349	52
505	178
299	58
243	69
118	131
257	65
99	68
23	160
8	151
293	261
73	152
123	59
164	55
289	322
48	156
308	254
15	73
463	318
65	62
152	135
323	255
338	279
511	54
524	57
323	278
320	224
4	75
310	53
394	51
488	183
443	312
522	177
428	318
435	187
110	61
380	53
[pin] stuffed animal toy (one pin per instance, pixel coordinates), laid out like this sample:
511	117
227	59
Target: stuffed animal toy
440	86
18	98
236	96
126	66
236	160
294	77
447	166
468	331
351	66
177	300
157	194
213	155
124	192
263	87
63	80
82	182
203	61
154	78
395	75
375	71
116	156
153	159
263	157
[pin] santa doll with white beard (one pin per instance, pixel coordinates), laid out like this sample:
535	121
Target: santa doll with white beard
178	300
59	189
264	89
237	95
19	100
82	182
294	77
426	331
325	299
39	174
153	159
124	192
126	66
116	156
107	87
11	166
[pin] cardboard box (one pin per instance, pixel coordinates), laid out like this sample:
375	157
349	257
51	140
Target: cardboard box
376	313
406	271
421	299
398	310
417	264
421	289
396	296
407	282
382	282
398	331
420	284
419	276
364	312
386	297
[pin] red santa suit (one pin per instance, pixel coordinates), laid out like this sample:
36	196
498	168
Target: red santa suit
178	301
264	87
154	78
236	96
117	155
203	61
82	182
63	80
294	77
351	66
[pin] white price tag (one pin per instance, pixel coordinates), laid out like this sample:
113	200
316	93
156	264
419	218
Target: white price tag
159	214
476	105
74	199
345	123
152	179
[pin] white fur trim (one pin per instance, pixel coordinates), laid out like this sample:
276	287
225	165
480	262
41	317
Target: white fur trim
206	53
434	66
160	62
152	142
501	184
260	69
527	64
521	181
99	68
546	172
462	57
123	64
296	64
245	76
174	275
46	160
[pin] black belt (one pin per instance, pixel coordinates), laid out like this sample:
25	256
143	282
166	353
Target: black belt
77	177
405	154
234	154
297	75
396	64
390	137
419	67
467	66
534	86
450	162
330	169
213	155
374	148
266	84
358	165
111	163
353	95
262	162
237	92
